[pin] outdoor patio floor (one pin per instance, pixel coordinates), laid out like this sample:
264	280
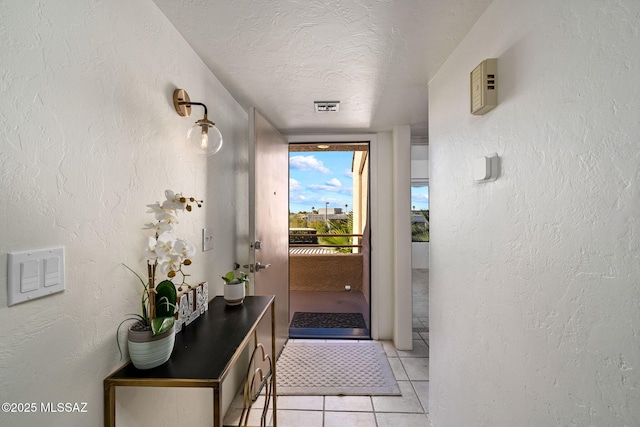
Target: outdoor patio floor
328	302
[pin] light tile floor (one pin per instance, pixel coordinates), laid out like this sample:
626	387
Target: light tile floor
411	369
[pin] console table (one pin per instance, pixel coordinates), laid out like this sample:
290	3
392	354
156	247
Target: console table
203	354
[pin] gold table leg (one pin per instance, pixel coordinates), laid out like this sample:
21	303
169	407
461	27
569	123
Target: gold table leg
273	364
217	408
109	405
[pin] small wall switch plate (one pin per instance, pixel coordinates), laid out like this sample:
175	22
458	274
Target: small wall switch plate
207	240
486	169
34	274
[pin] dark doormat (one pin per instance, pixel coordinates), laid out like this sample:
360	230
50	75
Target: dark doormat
328	325
328	320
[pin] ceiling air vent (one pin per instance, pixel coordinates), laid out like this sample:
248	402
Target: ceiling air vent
327	106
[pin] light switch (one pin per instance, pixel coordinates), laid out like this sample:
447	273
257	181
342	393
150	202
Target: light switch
207	240
51	271
29	276
34	274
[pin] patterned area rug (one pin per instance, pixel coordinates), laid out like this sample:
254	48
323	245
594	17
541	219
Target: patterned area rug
328	320
333	369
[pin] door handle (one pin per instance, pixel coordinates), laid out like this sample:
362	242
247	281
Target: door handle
262	266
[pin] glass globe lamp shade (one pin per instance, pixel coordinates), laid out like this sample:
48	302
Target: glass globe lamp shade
204	138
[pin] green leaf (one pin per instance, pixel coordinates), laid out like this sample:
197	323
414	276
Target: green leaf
160	325
229	277
166	298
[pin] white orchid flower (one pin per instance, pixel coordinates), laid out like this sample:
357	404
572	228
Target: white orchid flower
171	262
155	208
174	201
184	248
149	253
162	214
172	206
160	226
165	250
164	245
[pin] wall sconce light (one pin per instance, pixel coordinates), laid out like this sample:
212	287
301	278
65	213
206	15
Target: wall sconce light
203	137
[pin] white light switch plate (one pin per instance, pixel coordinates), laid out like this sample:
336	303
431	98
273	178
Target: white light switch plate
207	240
34	274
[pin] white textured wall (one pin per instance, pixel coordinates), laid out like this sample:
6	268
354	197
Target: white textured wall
419	161
88	137
402	290
381	247
535	293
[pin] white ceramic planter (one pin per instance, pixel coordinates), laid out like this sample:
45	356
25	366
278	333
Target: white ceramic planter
147	351
234	293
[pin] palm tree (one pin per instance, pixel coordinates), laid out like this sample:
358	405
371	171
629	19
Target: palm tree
419	229
339	227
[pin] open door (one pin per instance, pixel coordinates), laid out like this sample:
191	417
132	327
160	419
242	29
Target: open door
269	219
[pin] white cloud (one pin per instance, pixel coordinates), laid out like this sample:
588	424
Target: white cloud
294	185
307	163
334	183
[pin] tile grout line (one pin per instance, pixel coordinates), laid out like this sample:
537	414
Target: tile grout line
375	412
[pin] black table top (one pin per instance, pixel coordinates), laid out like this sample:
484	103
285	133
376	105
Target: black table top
205	348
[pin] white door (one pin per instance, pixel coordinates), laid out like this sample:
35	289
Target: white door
269	217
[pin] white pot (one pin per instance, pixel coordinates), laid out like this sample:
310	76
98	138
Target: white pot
147	351
234	293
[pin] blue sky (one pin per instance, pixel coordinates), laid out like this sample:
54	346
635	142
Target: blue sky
325	176
319	177
420	197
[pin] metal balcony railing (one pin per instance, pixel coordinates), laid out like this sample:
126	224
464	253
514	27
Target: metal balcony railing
310	240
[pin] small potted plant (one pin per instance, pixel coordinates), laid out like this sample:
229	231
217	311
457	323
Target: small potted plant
234	287
152	336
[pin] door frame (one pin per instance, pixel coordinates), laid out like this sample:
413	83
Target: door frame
345	140
383	310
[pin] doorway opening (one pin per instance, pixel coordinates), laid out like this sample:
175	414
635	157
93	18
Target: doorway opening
420	239
329	263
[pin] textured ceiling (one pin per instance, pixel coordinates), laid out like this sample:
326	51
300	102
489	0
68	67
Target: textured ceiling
374	56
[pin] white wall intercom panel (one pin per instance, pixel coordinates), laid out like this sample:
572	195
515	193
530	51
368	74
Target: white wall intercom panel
484	87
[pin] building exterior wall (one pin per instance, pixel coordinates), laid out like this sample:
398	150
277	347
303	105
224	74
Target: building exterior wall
322	217
534	296
331	272
360	193
361	222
